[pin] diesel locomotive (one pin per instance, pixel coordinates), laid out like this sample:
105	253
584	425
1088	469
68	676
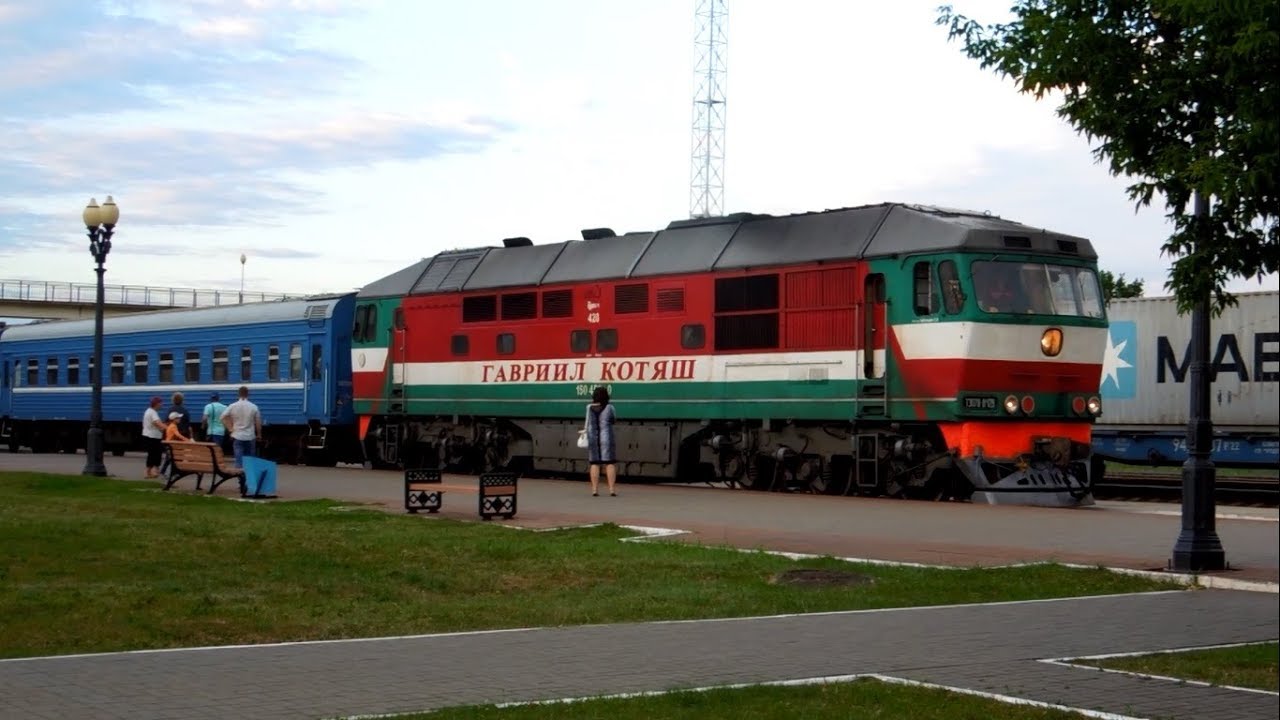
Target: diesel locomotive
887	349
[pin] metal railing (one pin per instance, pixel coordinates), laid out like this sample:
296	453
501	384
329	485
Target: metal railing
36	291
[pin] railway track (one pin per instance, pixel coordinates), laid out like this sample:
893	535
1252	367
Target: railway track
1229	490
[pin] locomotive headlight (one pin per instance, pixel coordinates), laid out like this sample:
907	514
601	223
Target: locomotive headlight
1094	405
1011	404
1051	342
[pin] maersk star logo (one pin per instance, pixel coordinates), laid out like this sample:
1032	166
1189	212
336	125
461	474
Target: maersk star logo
1119	371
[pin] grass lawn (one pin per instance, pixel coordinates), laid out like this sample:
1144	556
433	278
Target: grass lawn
1250	666
865	698
89	564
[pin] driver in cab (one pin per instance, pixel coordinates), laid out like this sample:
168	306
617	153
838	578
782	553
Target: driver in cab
997	294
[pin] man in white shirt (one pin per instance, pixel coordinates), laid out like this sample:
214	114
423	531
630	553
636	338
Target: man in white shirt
244	425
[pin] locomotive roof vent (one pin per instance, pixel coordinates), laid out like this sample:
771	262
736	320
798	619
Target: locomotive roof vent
1069	246
598	233
516	242
1017	241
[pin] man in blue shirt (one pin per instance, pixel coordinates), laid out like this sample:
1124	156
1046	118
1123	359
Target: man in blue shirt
214	430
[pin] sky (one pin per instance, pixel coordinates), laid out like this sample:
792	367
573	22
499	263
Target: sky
334	142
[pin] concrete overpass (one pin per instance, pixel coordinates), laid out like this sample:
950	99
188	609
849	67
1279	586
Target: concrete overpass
42	300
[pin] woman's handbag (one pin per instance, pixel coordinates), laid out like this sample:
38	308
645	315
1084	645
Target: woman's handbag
582	438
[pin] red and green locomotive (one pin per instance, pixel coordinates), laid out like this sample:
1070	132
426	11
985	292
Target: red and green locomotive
885	349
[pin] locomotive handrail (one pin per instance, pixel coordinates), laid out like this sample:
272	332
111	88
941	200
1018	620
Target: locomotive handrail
133	295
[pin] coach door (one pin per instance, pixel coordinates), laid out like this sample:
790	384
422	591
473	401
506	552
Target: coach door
399	350
871	390
319	399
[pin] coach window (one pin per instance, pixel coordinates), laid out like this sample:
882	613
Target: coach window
273	362
218	371
140	363
246	364
693	336
117	369
191	371
922	288
33	372
317	362
51	371
606	340
295	362
459	345
506	343
4	379
952	293
580	341
165	374
73	371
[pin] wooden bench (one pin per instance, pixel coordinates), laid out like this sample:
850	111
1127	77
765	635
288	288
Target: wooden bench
200	459
496	492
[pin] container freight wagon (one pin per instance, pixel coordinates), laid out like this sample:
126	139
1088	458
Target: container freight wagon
887	349
1147	367
294	356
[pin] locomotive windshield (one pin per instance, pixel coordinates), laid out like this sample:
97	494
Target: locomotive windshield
1036	288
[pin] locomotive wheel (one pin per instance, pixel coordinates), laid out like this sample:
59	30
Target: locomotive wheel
761	475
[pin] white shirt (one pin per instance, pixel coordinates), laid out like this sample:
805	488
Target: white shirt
244	417
149	420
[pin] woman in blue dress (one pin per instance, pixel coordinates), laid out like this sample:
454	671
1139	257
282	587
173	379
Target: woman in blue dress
601	448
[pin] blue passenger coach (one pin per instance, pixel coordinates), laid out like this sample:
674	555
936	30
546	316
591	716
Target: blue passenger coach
294	356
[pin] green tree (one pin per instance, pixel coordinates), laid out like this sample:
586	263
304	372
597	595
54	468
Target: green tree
1180	96
1114	286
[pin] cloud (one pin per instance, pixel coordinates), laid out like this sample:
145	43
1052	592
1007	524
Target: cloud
66	58
208	112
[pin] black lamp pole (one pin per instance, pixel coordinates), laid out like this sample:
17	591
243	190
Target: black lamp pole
1198	548
101	222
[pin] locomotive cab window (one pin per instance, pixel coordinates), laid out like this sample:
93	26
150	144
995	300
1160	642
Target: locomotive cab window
580	341
606	340
397	319
506	343
922	288
366	323
459	345
952	294
693	337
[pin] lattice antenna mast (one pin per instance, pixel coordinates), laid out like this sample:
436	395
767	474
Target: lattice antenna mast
706	193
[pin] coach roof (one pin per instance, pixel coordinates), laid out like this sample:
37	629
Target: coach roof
730	242
312	308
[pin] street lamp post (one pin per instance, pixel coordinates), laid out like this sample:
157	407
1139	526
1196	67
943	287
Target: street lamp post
242	259
101	223
1198	548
